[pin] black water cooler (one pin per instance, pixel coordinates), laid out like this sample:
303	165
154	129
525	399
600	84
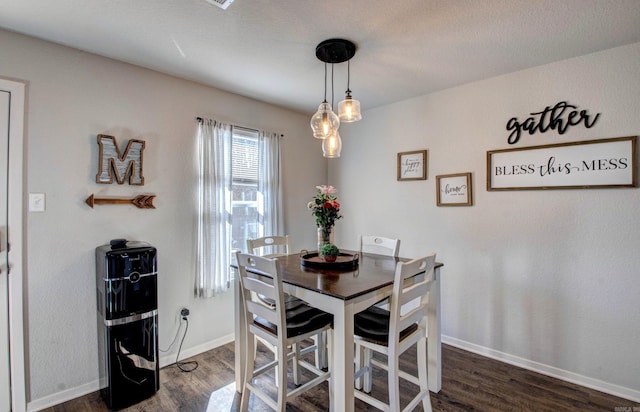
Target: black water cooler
126	281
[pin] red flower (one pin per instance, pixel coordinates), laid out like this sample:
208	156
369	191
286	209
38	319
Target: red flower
324	207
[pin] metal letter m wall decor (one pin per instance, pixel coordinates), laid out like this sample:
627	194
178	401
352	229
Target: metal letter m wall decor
112	162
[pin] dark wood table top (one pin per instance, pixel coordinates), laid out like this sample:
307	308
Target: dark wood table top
373	272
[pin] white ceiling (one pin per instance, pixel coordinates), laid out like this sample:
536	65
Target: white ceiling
265	49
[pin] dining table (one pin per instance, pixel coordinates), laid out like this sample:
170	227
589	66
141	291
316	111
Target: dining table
343	292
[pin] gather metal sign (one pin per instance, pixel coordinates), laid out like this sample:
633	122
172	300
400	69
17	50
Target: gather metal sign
558	118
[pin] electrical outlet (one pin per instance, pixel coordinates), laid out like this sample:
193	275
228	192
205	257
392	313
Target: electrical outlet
184	312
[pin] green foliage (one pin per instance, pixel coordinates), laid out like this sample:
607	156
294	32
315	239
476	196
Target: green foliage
329	250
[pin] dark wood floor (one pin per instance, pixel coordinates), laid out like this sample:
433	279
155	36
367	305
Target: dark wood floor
469	383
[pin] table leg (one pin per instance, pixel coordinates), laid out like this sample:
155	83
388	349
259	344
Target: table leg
240	334
434	343
342	363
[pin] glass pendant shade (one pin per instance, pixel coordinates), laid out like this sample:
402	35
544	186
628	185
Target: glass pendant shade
349	109
325	122
332	145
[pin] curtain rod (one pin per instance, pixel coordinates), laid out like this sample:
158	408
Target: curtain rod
200	119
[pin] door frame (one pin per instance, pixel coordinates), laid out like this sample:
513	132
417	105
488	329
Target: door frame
15	236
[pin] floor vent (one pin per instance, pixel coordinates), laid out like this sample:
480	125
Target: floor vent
223	4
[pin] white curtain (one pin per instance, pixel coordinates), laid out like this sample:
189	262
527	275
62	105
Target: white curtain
214	208
213	255
270	212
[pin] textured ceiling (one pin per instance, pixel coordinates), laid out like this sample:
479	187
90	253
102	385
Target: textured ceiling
266	49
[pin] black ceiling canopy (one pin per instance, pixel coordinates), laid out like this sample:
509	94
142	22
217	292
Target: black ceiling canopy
335	50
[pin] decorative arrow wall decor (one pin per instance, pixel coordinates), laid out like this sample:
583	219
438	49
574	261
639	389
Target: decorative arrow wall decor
140	201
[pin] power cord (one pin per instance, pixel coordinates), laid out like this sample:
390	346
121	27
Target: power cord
188	366
173	341
181	365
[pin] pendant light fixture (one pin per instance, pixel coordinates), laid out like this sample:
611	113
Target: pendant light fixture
349	108
332	146
322	123
325	122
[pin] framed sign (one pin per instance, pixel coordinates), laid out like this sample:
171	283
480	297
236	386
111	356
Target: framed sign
412	165
454	190
603	163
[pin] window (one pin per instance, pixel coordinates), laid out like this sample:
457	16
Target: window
244	188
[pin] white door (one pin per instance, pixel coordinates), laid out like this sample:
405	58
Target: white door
12	376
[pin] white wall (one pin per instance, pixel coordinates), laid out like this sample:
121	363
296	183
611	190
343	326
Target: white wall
546	279
71	97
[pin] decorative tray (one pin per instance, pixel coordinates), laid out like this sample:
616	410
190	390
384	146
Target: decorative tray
344	261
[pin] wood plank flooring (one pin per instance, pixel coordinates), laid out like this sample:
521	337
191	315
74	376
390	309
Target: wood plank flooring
469	383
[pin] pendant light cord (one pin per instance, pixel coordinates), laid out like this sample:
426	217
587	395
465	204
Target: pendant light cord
331	86
325	83
348	75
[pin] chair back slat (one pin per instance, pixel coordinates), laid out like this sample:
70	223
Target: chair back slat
269	246
379	245
263	311
262	287
414	315
414	291
411	287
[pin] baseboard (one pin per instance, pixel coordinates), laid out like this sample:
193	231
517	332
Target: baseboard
63	396
73	393
616	390
196	350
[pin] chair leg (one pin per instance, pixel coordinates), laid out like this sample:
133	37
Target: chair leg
422	373
255	346
393	381
321	351
281	374
248	372
329	337
275	357
296	365
368	376
359	365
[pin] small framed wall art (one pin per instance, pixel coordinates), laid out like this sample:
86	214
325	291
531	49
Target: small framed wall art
412	165
454	190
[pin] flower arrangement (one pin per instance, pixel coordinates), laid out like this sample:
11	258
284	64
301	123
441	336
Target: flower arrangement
325	208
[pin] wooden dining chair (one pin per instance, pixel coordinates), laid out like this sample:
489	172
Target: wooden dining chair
379	245
392	332
274	246
284	325
269	246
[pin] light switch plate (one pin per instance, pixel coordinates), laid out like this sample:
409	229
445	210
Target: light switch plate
36	202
